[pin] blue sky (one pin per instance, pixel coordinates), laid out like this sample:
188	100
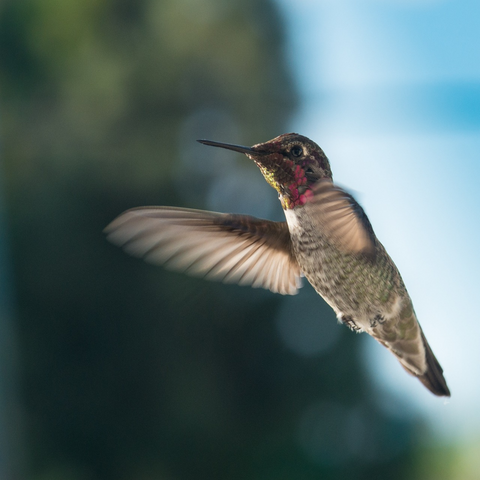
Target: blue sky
391	91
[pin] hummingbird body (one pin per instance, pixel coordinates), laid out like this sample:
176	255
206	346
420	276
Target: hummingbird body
368	296
326	237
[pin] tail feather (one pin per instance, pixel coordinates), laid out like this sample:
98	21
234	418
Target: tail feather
433	377
413	351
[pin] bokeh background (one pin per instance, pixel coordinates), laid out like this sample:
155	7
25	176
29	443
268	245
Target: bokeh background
114	369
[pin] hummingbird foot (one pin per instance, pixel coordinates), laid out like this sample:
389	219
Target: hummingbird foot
378	319
350	323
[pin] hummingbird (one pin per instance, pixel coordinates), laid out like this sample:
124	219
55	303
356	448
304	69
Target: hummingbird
326	237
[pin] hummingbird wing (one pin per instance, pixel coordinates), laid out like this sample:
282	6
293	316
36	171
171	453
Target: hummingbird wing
341	219
227	247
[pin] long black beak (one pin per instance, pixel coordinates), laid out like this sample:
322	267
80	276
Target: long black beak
229	146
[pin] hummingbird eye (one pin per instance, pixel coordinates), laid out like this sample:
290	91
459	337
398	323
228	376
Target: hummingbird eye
296	151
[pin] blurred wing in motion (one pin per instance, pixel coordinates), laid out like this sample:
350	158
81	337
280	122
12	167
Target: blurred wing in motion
227	247
342	219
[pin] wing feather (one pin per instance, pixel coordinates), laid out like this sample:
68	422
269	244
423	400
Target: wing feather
230	248
342	220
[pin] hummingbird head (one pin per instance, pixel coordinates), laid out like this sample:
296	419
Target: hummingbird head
290	163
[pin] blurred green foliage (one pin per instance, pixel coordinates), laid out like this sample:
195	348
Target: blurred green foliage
129	371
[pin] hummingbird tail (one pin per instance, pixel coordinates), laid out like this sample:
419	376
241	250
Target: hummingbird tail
433	378
413	351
